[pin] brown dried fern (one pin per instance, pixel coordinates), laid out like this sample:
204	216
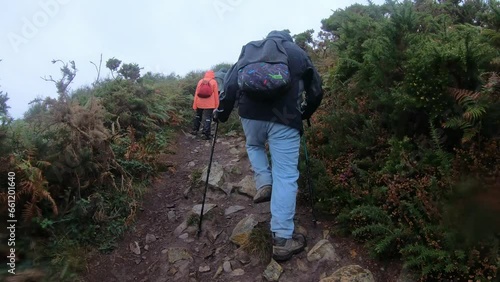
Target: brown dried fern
34	186
463	96
30	211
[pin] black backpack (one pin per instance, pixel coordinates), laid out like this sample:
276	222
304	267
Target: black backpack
263	71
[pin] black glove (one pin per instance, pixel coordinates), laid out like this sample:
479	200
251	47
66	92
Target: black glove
215	115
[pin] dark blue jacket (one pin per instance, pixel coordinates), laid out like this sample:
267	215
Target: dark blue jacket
289	108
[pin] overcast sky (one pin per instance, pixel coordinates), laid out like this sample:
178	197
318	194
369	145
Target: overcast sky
160	36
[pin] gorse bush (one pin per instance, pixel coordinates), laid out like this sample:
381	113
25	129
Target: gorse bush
409	116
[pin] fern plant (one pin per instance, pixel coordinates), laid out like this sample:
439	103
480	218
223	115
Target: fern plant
375	226
444	158
435	263
34	186
472	110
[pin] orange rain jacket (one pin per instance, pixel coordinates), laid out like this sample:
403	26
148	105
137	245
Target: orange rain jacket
211	102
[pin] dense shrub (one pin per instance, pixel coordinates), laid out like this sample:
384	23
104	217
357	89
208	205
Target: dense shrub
83	160
408	134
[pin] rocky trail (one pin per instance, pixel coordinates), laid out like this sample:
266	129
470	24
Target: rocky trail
163	245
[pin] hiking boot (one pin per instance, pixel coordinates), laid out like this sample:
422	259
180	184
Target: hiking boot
284	249
206	137
263	194
194	132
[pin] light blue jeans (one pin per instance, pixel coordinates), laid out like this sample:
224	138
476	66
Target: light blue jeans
284	145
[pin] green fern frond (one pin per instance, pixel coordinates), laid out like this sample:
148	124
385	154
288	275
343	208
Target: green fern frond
457	123
162	118
384	245
474	112
469	133
436	136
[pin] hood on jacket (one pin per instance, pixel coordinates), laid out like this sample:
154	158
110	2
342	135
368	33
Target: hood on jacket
209	74
280	34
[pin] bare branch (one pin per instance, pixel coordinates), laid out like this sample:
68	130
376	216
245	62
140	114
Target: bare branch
98	69
68	74
48	79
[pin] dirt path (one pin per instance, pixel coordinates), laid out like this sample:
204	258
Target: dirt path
170	251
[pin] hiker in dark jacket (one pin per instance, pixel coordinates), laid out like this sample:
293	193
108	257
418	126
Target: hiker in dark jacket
278	122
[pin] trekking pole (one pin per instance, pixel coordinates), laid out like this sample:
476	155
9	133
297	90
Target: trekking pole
208	175
309	181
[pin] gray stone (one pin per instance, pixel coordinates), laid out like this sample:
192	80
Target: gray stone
237	272
216	178
171	216
247	186
242	230
233	209
273	271
150	238
213	232
323	250
177	254
134	248
351	273
227	267
204	268
206	208
178	231
326	234
228	188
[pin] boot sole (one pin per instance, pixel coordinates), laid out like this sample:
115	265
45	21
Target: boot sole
262	200
288	256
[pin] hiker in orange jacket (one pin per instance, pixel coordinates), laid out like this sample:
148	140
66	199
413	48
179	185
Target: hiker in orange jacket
206	100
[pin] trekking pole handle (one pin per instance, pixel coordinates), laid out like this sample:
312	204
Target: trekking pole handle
216	115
